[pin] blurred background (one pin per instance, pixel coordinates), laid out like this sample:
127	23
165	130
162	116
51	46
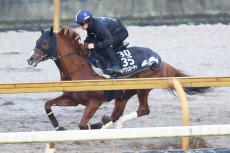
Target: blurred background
27	14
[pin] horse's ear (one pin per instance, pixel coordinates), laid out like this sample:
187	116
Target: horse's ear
42	31
51	31
71	34
67	33
62	31
74	35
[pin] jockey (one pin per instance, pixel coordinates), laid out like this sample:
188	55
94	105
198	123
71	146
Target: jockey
103	35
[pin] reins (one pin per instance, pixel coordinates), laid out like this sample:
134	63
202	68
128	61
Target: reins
69	54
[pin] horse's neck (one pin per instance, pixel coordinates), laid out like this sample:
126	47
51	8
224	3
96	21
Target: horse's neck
74	66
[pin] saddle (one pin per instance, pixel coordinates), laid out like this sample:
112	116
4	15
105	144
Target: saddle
133	60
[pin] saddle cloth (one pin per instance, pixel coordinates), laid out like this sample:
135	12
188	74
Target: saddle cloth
133	60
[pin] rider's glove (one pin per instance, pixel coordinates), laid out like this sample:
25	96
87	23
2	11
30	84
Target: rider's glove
91	46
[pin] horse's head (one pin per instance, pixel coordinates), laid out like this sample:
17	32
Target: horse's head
45	48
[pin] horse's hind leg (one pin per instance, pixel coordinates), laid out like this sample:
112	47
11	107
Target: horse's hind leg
90	109
107	121
120	104
143	108
59	101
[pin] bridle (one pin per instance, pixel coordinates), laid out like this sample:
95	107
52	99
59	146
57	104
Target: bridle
57	58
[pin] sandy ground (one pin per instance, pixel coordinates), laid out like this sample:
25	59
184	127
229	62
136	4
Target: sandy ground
198	50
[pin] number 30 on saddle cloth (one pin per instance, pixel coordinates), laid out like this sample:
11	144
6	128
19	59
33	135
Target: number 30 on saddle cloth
133	60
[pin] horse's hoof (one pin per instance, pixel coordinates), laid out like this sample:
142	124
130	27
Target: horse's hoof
60	129
96	126
105	119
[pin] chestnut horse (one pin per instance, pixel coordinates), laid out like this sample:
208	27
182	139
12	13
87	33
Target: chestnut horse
70	57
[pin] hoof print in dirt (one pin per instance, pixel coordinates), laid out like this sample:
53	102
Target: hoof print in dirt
8	103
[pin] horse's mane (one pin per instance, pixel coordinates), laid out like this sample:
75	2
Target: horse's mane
69	34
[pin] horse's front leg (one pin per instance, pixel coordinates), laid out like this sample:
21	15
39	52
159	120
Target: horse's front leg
59	101
90	110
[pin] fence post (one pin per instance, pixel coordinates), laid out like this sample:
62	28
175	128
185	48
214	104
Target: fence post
185	111
56	15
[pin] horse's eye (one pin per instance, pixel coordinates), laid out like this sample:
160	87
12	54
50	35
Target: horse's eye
45	45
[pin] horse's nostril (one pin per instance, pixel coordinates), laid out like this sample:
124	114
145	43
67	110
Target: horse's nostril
43	58
30	60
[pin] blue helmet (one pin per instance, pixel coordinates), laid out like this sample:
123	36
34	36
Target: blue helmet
83	16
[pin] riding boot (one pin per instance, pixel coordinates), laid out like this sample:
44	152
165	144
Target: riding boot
115	62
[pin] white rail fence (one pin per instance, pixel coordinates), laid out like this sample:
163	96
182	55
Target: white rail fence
113	134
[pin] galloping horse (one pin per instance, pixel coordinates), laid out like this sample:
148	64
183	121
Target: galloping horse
70	57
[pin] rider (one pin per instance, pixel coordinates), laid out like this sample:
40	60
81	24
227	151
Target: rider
103	34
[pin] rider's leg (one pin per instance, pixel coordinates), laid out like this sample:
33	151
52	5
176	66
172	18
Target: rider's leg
119	38
115	62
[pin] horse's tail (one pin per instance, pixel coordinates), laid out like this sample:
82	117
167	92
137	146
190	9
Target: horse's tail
191	90
173	72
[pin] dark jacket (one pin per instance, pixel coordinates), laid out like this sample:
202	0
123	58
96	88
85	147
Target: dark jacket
102	30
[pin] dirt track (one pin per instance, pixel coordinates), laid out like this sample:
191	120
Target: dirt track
198	50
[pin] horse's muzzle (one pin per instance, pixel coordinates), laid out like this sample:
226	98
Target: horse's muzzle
32	62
